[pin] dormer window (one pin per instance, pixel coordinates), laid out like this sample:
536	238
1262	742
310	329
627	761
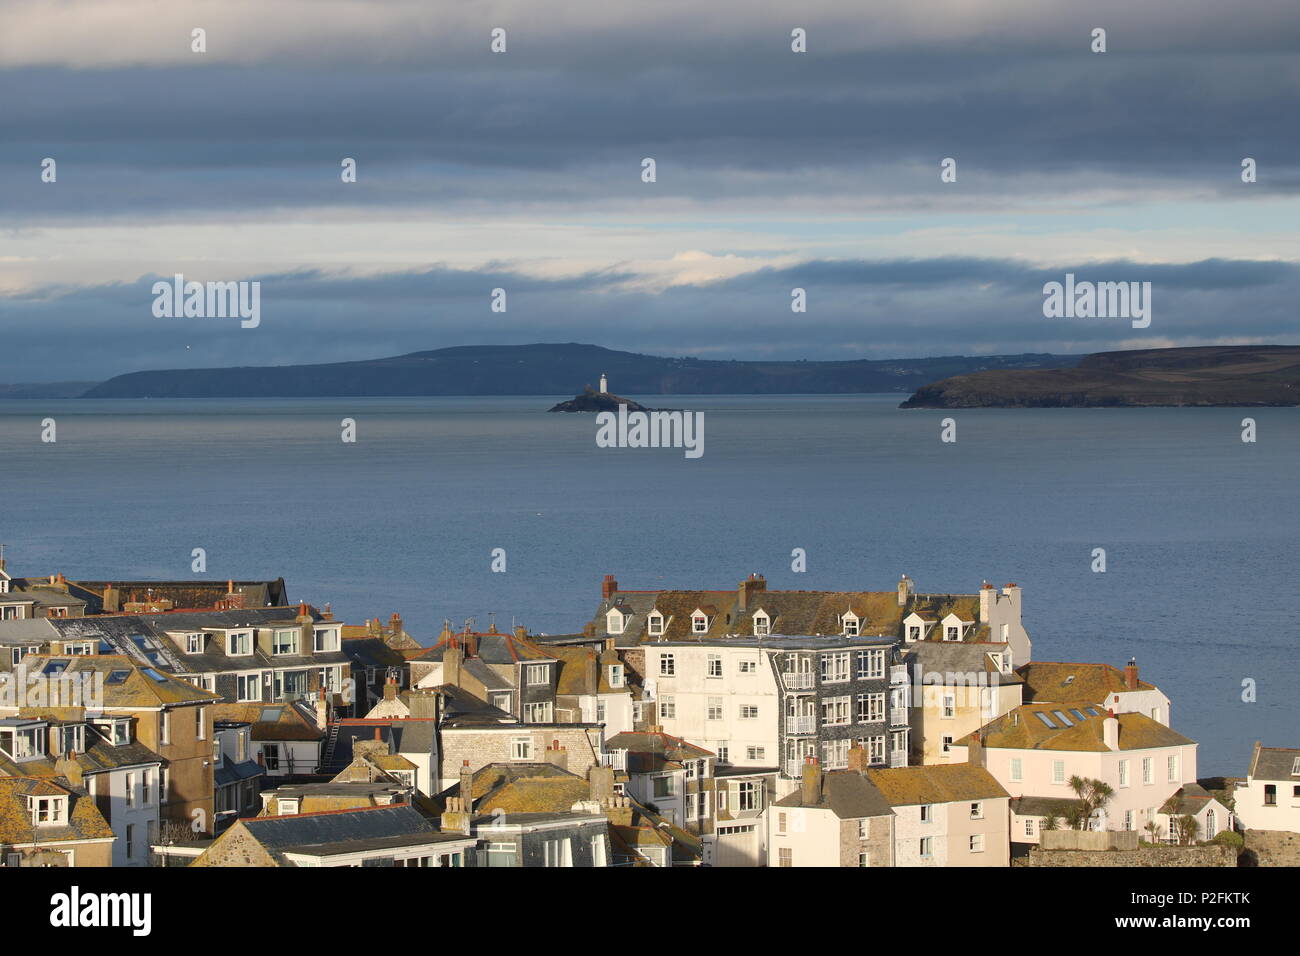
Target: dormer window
116	732
1295	767
285	807
699	623
850	624
69	739
656	624
239	644
194	643
762	624
615	675
614	621
913	632
21	743
285	642
537	674
325	639
952	632
48	811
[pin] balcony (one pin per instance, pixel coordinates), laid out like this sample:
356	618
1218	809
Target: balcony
615	759
794	767
898	717
797	680
805	724
898	758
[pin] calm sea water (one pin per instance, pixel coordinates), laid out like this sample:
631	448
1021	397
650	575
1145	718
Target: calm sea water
1200	530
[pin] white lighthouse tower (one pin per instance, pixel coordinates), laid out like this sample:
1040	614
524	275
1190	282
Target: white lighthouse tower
604	384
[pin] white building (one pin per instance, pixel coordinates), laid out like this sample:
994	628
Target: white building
1270	797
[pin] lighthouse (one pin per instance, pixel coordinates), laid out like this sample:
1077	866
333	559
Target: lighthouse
604	384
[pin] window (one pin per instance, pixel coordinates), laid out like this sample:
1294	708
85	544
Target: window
667	708
762	625
786	856
538	675
749	667
285	642
850	625
330	679
977	843
200	732
1128	819
614	622
249	686
876	749
724	754
598	850
558	853
913	632
927	813
667	665
271	756
748	795
615	677
946	744
862	828
1295	767
835	667
699	624
665	785
715	708
871	664
501	854
1172	766
748	712
132	788
193	645
130	840
1058	771
715	666
324	639
977	811
871	708
1029	827
864	858
501	702
755	753
539	713
927	844
1017	770
1123	773
521	748
949	706
835	711
1270	795
239	644
164	727
1147	774
835	754
601	710
656	623
49	811
952	633
780	822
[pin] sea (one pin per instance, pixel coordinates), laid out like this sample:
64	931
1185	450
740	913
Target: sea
493	510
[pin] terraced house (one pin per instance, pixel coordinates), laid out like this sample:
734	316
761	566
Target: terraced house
45	823
267	655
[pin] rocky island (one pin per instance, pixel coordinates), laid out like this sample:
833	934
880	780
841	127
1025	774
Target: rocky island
1239	375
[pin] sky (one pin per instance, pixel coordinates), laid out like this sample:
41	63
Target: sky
522	170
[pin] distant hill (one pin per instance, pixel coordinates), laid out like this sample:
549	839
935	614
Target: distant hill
559	369
1239	375
46	390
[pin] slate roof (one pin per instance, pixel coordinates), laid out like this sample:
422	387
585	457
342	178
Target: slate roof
522	788
1020	729
228	771
789	612
849	794
412	735
342	831
940	783
959	657
1042	806
188	594
1189	799
137	689
1273	763
84	822
1058	682
654	752
272	721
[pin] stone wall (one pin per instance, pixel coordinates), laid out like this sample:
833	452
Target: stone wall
1088	840
1274	847
1157	856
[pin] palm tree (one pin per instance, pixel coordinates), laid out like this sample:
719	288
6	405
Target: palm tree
1093	796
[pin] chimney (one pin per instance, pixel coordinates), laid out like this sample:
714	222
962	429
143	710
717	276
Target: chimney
975	749
390	689
1131	674
1110	731
557	756
456	816
112	600
988	596
423	703
593	673
322	708
451	661
467	786
68	767
618	810
812	782
858	759
601	780
395	624
905	589
748	588
609	587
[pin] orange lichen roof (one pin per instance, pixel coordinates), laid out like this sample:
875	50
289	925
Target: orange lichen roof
1022	729
85	822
